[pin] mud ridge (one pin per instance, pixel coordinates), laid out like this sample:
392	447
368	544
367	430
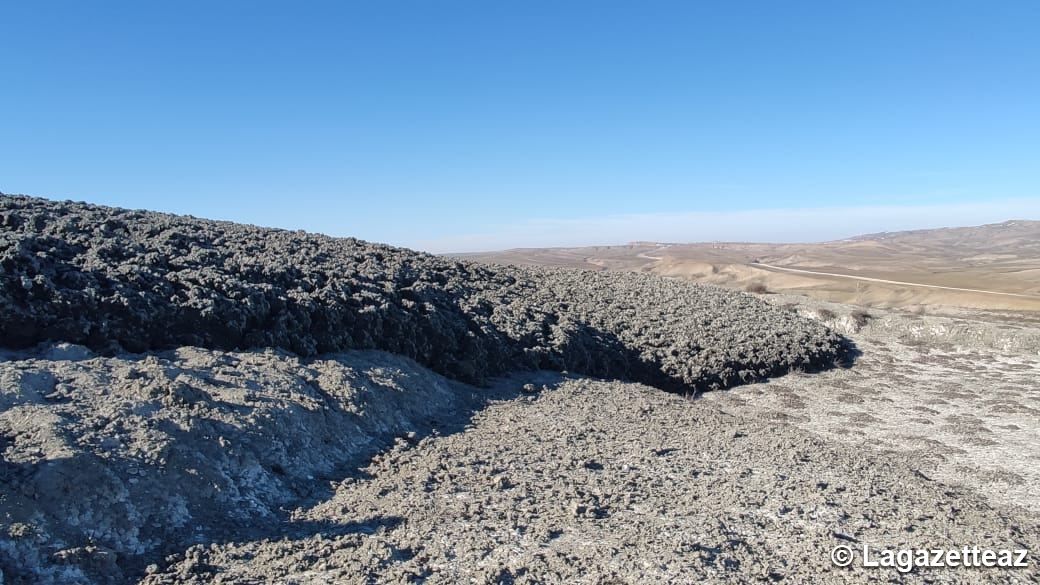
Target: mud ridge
119	280
168	381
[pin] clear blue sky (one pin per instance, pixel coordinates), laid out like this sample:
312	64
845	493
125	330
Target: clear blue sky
442	124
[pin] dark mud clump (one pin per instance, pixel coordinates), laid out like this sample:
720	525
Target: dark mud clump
114	279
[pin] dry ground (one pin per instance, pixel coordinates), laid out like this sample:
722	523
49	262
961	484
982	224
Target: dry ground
213	465
962	396
930	440
926	267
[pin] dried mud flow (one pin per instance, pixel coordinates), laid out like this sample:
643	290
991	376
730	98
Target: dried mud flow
114	280
187	401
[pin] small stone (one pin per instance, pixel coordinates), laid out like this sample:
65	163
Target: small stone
19	530
67	352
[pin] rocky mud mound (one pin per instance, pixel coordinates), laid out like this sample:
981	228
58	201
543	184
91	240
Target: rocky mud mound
169	381
110	463
205	466
595	482
114	279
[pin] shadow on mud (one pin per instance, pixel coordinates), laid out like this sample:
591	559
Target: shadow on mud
184	500
116	280
204	492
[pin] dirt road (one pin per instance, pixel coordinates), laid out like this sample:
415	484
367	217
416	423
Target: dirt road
884	281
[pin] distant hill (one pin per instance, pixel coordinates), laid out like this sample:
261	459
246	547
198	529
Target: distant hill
994	266
1011	234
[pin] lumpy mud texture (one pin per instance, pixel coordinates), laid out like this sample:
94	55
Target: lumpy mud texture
211	422
204	466
108	464
114	279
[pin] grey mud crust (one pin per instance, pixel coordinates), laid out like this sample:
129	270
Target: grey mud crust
604	482
118	280
184	400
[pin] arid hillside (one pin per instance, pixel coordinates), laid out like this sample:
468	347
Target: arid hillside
992	267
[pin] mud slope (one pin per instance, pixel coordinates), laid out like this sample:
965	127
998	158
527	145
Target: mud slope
111	463
203	466
113	279
187	401
171	381
595	482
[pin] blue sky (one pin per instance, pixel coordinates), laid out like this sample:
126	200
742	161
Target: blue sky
477	125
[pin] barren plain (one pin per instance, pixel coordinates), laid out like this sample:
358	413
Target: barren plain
992	267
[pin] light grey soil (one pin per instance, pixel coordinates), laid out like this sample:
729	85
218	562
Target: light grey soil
572	479
111	463
606	482
962	395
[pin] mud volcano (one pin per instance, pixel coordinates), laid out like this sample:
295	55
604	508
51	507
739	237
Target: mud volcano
117	280
167	381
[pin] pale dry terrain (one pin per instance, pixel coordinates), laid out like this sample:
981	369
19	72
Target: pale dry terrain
960	395
992	267
931	439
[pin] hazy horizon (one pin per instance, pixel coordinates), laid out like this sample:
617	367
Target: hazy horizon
772	226
767	226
